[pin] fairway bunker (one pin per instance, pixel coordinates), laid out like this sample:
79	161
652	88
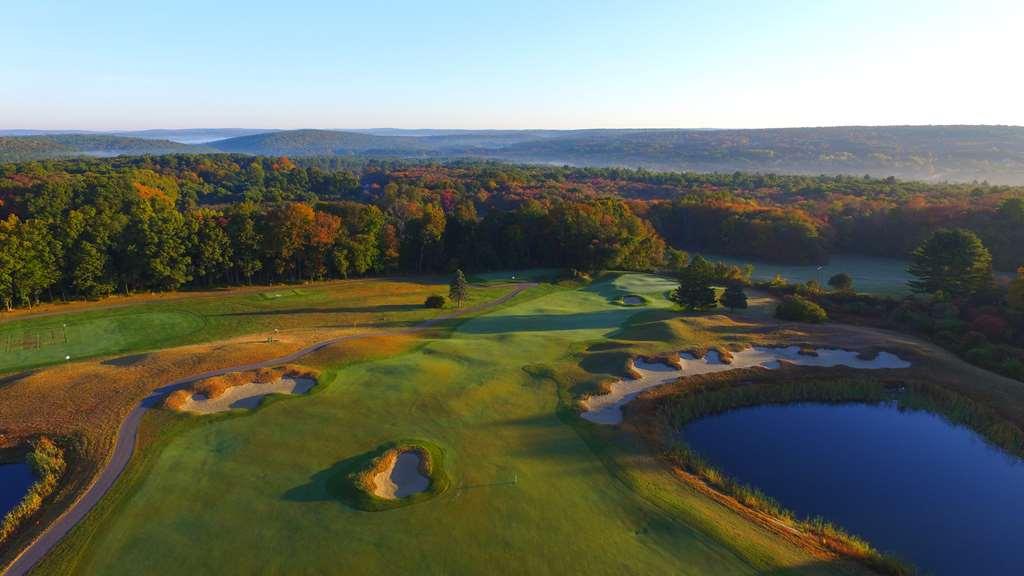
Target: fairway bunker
401	476
607	408
244	396
393	475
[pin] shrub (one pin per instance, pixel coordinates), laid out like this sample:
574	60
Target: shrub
973	340
434	301
799	309
993	327
841	282
734	296
982	355
809	288
1013	368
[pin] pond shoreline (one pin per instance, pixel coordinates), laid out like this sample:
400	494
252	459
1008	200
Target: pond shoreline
657	414
909	479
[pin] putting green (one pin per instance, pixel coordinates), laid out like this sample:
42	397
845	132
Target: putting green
530	493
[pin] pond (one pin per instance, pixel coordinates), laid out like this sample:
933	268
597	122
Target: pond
909	482
15	480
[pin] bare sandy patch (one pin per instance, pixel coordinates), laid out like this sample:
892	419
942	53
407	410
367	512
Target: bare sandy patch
400	475
245	396
607	408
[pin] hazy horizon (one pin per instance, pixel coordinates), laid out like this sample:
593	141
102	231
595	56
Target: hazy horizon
109	66
482	129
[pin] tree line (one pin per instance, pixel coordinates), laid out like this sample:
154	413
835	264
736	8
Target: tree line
92	234
89	227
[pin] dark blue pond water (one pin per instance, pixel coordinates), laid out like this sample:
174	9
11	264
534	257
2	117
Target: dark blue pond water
910	482
15	480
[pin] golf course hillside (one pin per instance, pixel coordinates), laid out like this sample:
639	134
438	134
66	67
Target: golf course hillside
485	424
358	418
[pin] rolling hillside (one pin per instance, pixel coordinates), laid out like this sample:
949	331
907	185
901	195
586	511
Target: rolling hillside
930	153
20	148
322	143
959	153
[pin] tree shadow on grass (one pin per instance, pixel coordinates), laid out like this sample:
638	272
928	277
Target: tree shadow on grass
330	483
125	360
13	378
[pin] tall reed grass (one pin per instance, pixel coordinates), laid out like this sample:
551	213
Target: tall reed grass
47	460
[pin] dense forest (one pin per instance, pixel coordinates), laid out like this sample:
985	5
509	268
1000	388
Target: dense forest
930	153
89	227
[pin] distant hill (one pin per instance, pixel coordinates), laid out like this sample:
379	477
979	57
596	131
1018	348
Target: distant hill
18	148
930	153
322	143
192	135
955	153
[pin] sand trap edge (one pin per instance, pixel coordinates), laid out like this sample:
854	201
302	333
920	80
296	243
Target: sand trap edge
352	479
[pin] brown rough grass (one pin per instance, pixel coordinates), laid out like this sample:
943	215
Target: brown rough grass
216	386
176	400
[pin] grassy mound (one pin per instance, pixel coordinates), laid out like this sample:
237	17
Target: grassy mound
352	479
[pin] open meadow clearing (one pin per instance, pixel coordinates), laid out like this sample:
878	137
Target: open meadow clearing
524	477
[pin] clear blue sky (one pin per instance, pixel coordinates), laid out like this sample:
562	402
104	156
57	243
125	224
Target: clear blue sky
550	64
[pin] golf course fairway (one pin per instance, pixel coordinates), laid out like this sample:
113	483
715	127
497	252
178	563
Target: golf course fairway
534	489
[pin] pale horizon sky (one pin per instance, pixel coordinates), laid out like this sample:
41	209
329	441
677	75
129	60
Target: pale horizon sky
120	65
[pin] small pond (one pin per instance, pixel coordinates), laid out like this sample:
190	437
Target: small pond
15	480
910	482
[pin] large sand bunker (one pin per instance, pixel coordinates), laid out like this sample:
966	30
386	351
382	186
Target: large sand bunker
246	396
401	476
607	408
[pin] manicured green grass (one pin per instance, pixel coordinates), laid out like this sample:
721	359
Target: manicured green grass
34	341
885	276
534	489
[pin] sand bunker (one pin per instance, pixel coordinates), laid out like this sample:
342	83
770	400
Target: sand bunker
607	408
401	477
633	300
246	396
